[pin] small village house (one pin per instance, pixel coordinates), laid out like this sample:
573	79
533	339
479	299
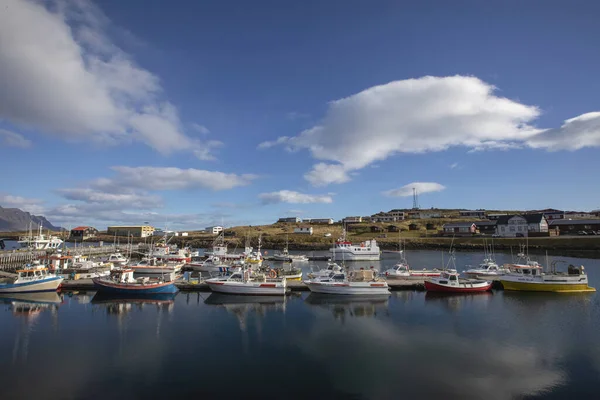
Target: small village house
326	221
215	230
352	220
486	227
460	228
472	214
82	233
290	219
575	226
304	230
376	229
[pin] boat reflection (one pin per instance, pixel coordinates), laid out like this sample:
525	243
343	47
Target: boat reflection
28	307
349	305
241	306
122	304
455	301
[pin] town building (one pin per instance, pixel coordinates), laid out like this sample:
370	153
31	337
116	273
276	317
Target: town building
486	227
326	221
215	230
550	213
390	216
460	228
521	225
472	214
424	214
83	233
579	215
163	233
352	220
305	230
290	219
135	231
495	217
576	226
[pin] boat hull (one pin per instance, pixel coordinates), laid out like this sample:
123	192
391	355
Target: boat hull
209	268
154	270
349	256
463	288
45	285
254	288
134	288
349	288
546	287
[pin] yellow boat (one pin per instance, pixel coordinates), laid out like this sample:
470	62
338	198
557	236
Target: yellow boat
531	278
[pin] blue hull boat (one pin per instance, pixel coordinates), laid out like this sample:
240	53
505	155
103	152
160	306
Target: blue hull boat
134	288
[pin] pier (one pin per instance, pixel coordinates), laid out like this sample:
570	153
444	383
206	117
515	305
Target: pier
12	259
201	286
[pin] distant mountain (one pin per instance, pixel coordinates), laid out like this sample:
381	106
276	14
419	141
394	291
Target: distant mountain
15	220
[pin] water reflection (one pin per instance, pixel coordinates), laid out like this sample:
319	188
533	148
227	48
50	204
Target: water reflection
350	306
454	302
242	306
380	360
28	307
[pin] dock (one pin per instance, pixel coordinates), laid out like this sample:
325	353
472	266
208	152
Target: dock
201	286
11	259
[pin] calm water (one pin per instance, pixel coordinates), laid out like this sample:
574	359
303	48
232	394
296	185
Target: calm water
412	345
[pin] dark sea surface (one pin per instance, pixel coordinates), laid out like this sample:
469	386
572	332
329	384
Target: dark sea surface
200	345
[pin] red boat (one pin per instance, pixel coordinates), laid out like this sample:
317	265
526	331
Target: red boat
450	282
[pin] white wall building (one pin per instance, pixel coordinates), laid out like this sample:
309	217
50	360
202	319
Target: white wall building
305	230
521	225
215	230
328	221
352	220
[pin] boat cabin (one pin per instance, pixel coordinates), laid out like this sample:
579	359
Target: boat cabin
401	267
526	270
122	275
58	261
32	272
116	258
573	270
449	278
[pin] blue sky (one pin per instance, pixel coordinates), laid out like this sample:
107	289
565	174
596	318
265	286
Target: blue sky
192	113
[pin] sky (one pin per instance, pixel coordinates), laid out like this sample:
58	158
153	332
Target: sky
186	114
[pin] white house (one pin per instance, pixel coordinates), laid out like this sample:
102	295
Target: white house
305	230
352	220
328	221
423	214
290	219
521	225
215	230
390	216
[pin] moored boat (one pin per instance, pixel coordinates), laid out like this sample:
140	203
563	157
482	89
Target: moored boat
122	281
152	265
488	269
211	264
31	278
345	250
531	278
450	282
362	282
244	282
325	272
117	259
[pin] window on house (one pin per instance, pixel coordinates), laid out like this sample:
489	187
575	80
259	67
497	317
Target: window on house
512	228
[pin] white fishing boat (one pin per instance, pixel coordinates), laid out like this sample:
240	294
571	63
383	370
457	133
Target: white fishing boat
285	256
219	249
345	250
117	259
325	272
254	257
31	278
211	264
488	269
152	265
244	282
40	241
403	271
361	282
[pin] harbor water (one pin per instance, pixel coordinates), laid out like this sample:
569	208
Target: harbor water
498	345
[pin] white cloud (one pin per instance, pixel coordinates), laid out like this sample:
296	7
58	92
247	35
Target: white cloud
171	178
33	206
269	144
63	75
201	129
289	196
421	187
323	174
132	199
576	133
13	139
454	165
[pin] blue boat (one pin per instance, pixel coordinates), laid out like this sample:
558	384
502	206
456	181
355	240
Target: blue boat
121	281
